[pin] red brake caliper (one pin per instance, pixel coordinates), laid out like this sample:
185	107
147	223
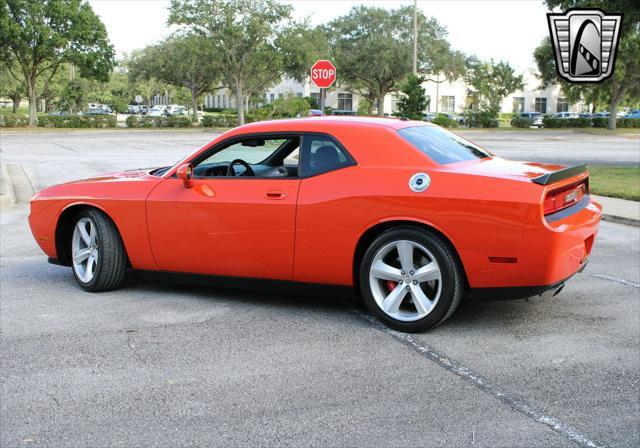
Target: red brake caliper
391	285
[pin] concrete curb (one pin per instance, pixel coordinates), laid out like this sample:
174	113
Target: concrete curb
621	220
16	183
8	194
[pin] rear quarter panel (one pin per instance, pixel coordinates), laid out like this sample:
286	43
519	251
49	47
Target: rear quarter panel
475	212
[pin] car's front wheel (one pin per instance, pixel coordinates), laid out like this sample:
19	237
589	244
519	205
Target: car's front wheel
410	279
98	259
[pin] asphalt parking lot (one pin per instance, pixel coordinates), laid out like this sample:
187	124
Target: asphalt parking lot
163	364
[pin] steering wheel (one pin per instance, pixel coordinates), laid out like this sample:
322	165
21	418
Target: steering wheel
248	171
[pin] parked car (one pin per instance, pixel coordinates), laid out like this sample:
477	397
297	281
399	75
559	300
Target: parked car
584	115
174	109
158	110
428	116
315	113
601	115
633	114
58	113
133	109
343	112
535	116
458	118
143	110
566	115
376	204
98	111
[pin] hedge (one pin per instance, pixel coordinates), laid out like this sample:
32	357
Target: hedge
554	122
628	123
13	120
521	122
481	120
77	121
225	121
443	120
600	122
133	121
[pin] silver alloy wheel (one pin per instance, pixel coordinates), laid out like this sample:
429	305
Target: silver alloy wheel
405	280
84	249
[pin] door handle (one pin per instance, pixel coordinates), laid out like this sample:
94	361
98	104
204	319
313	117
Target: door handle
275	194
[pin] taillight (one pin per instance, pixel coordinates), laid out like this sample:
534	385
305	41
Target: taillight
564	197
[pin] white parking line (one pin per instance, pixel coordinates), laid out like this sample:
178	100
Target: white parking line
611	278
515	402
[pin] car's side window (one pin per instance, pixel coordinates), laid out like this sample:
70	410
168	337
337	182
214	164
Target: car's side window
252	157
320	154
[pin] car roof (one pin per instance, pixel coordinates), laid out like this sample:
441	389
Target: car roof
324	122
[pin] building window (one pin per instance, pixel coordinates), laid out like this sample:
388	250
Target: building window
563	105
448	103
518	104
541	105
273	97
345	101
428	99
299	94
394	103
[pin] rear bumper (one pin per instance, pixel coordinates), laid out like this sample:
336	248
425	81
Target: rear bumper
549	254
522	292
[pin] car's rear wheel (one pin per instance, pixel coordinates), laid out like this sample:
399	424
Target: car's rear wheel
98	258
410	279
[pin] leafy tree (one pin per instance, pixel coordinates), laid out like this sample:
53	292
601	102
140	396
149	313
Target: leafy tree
183	60
414	101
11	88
245	36
38	36
372	49
624	84
492	83
300	46
364	107
288	107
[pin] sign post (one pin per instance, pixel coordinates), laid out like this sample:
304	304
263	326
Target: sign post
323	75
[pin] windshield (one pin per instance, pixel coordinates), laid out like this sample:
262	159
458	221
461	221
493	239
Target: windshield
441	145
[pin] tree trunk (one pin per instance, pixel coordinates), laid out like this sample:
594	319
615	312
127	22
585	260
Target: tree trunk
194	106
614	113
240	103
380	101
16	104
33	101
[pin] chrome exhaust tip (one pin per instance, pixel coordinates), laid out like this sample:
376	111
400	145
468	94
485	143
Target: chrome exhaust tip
553	291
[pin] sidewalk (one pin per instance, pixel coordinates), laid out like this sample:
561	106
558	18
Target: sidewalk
619	210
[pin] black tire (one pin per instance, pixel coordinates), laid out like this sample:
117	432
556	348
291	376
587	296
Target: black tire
451	272
112	259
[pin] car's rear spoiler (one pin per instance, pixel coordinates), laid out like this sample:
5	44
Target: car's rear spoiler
564	173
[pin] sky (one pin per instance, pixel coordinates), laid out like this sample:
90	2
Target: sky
499	29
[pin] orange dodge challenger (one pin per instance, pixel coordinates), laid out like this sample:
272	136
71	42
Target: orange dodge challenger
410	214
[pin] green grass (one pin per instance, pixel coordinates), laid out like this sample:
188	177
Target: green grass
615	181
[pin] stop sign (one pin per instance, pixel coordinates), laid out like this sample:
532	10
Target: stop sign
323	73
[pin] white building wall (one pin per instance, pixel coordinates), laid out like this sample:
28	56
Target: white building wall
444	96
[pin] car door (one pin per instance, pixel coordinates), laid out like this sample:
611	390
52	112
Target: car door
232	226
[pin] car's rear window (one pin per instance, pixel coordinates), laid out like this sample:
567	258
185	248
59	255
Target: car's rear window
441	145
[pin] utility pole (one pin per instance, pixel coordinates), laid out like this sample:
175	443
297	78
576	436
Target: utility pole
415	37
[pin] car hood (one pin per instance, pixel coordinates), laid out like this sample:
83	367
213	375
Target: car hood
507	169
119	175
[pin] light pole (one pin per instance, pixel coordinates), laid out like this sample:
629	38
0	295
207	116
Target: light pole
415	37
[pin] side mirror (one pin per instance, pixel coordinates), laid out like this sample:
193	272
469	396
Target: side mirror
185	173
